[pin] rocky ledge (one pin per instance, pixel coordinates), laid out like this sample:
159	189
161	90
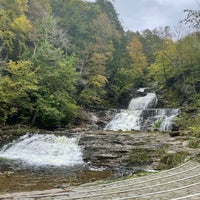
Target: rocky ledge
128	152
124	152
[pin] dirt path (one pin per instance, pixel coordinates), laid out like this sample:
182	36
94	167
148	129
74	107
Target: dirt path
180	183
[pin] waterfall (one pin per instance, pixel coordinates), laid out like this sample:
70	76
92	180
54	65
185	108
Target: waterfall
43	149
141	103
142	115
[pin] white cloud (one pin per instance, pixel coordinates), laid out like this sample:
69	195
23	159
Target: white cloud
137	15
142	14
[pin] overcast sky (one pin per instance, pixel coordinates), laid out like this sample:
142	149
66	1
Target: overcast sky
137	15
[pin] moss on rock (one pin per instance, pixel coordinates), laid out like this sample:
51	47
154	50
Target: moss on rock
170	160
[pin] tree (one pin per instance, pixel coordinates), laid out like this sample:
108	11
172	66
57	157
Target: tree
188	64
49	31
176	68
55	103
165	63
98	54
37	10
15	28
138	58
151	44
18	85
192	18
108	8
76	17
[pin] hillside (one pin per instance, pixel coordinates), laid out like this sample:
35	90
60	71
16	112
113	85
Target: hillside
61	57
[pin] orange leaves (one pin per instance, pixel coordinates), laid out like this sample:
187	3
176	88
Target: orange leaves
138	58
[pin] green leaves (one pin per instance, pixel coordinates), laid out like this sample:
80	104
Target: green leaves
47	41
55	109
17	84
39	91
55	103
164	66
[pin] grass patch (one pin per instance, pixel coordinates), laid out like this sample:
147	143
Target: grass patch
194	143
170	160
139	157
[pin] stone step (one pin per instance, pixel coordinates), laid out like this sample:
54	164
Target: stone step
186	167
138	183
189	190
177	183
151	188
188	197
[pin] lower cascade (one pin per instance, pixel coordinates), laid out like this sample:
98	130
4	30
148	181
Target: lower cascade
143	115
40	150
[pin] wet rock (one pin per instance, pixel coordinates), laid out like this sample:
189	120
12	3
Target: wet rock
174	133
126	150
115	150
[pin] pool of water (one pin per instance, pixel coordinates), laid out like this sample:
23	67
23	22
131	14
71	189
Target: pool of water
46	161
15	176
42	161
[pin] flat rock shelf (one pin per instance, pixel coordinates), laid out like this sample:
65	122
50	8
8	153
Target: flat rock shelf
180	183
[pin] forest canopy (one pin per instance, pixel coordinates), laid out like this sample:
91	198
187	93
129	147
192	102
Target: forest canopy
59	56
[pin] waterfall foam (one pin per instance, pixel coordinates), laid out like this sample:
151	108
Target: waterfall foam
43	149
141	103
142	115
125	120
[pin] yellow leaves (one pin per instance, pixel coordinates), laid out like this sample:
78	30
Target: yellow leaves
14	26
21	76
135	47
137	56
98	81
22	24
165	62
93	94
19	67
14	7
189	50
23	5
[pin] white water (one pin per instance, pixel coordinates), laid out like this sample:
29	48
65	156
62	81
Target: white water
125	120
43	150
167	123
140	116
141	103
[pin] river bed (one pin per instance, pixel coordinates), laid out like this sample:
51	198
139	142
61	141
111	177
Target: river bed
15	177
105	155
45	161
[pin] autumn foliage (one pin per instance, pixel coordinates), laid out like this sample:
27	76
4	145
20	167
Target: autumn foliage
58	56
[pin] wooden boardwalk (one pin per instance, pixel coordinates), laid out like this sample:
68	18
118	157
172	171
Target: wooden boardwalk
180	183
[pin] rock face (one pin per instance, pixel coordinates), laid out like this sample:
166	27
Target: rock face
95	118
124	152
129	152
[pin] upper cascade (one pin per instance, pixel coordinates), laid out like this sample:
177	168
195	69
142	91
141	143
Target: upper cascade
141	103
142	115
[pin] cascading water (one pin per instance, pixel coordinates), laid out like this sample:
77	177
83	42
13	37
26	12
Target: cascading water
142	115
142	103
41	150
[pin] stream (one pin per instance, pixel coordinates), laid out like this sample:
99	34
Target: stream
41	161
45	161
143	115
